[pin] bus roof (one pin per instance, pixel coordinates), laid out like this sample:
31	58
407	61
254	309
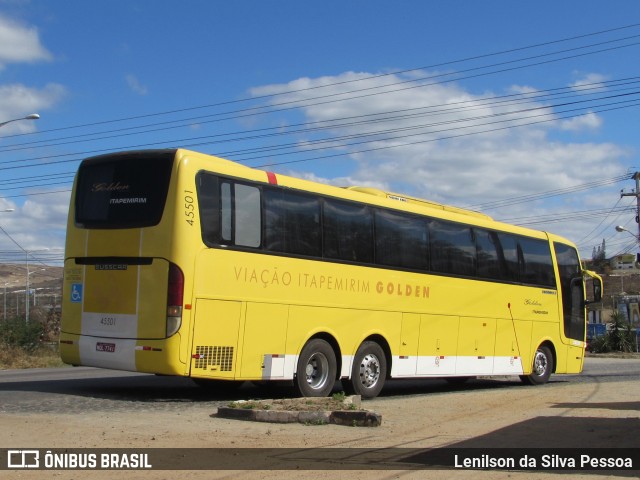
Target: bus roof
419	201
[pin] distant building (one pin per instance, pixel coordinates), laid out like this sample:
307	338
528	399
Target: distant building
626	261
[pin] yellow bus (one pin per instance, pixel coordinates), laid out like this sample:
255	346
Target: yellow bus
181	263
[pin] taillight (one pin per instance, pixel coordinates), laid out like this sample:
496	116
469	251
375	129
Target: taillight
175	295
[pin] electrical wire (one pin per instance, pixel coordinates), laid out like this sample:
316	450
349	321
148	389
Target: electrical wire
451	107
333	84
149	144
345	141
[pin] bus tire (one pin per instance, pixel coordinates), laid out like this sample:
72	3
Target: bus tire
369	371
542	367
316	370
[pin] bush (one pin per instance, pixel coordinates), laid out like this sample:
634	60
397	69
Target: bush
33	344
619	337
17	333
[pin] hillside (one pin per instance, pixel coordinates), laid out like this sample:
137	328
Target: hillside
45	285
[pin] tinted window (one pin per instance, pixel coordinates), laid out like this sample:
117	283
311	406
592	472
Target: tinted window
452	248
230	212
572	291
123	190
348	232
209	202
292	223
508	253
487	246
401	240
537	266
289	222
226	212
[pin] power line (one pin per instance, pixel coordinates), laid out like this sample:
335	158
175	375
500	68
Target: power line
149	144
333	84
387	146
549	193
449	137
307	105
564	216
503	100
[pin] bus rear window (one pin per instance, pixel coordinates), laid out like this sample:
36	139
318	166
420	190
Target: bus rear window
125	190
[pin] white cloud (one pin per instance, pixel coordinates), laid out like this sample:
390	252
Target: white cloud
39	224
20	43
590	81
589	121
135	85
437	157
18	100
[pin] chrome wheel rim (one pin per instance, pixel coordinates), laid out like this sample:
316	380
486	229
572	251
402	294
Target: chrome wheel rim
540	364
317	371
369	370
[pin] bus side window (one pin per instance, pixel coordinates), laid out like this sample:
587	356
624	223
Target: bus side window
240	218
225	212
508	254
453	250
401	240
537	268
247	218
292	223
488	263
209	203
347	231
230	212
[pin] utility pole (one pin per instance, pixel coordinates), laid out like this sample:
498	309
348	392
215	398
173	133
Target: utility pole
635	193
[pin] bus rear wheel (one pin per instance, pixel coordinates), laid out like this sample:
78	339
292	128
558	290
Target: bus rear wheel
542	367
369	371
316	370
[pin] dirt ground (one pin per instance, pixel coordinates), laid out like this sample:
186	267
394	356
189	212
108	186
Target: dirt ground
561	414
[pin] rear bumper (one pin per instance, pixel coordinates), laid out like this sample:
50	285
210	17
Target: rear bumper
134	355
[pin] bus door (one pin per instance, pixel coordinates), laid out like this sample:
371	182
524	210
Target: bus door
573	307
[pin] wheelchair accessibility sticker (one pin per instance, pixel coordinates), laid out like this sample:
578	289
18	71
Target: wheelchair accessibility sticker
76	292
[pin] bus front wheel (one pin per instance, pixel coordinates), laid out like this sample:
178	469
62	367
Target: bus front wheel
316	371
369	371
542	367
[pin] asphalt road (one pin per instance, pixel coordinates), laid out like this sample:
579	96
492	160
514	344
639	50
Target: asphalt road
92	408
84	389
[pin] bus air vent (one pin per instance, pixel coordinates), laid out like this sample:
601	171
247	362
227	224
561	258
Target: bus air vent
221	358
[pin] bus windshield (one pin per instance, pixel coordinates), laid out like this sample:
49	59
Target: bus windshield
123	191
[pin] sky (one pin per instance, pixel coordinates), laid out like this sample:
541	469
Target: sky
525	111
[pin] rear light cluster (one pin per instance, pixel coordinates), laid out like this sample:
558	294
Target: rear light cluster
175	294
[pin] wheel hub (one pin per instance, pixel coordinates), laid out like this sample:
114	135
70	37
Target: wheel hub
317	371
369	370
540	364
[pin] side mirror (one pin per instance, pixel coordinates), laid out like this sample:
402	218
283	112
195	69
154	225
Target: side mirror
597	290
597	285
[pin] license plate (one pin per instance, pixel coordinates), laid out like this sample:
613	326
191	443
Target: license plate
105	347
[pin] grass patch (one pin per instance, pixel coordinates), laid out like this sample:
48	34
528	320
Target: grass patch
30	345
40	357
339	396
249	405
